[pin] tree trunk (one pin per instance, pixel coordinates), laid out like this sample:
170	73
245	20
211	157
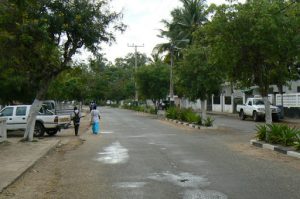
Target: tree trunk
34	110
280	89
268	113
203	110
155	104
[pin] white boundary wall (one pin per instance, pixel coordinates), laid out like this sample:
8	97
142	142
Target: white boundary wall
289	100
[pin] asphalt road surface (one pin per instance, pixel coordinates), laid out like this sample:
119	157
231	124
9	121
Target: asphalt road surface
138	156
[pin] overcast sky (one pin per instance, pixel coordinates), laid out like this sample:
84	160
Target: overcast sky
143	18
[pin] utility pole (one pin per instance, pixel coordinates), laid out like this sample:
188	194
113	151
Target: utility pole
171	94
135	67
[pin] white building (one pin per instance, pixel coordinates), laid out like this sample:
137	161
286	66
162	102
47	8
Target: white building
230	97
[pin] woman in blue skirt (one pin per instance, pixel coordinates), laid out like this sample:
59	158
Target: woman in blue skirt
95	116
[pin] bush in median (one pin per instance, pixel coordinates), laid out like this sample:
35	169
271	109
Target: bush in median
279	134
185	115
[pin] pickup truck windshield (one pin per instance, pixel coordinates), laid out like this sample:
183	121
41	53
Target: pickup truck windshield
258	102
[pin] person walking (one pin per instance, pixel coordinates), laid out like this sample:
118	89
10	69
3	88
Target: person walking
95	120
76	115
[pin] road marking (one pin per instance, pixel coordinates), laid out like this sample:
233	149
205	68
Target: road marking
114	154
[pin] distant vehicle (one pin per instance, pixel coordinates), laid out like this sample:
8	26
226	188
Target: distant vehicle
46	120
255	108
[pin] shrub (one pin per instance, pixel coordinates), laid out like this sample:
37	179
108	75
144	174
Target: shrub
261	132
152	110
209	121
114	105
297	143
173	113
288	135
185	114
192	117
274	132
278	133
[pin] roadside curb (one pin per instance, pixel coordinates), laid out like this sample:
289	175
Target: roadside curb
275	148
195	126
27	167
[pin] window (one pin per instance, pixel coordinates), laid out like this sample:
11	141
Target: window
250	103
227	100
21	111
258	102
298	89
7	111
217	100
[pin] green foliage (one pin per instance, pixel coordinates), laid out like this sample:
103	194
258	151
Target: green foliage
39	38
256	39
173	113
197	77
275	131
288	135
279	134
153	81
208	121
297	143
185	114
146	109
261	131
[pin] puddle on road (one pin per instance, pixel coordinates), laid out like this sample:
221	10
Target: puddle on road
194	162
106	132
150	135
203	194
182	180
188	180
130	184
114	154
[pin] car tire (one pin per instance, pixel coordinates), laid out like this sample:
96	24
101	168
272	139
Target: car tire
255	116
39	130
52	132
242	115
275	118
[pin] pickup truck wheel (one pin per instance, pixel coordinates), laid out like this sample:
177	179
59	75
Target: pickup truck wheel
255	116
51	132
39	130
242	115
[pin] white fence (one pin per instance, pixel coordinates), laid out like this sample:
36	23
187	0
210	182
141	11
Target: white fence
289	100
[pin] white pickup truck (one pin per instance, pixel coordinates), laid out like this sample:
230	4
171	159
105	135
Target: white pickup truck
46	121
255	108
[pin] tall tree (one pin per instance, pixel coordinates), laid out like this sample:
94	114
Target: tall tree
153	81
179	32
198	77
41	37
249	40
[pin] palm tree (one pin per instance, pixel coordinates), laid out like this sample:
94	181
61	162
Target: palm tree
179	31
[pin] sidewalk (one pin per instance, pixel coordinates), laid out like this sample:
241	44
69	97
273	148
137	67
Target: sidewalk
17	157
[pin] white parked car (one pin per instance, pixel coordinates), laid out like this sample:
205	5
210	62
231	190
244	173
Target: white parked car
46	121
255	108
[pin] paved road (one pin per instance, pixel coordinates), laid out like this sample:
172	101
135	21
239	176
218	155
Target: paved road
138	156
243	126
